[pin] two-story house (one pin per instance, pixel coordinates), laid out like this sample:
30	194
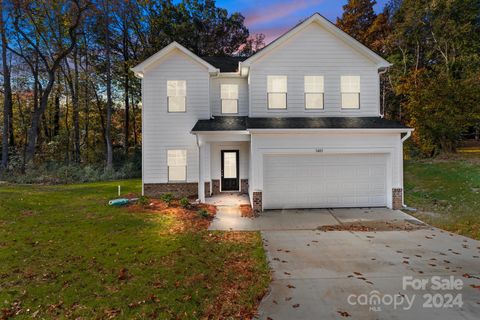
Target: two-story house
296	125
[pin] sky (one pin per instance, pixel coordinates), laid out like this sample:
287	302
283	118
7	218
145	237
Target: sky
274	17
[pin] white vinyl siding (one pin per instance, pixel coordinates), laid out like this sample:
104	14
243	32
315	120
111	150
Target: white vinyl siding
177	165
229	97
215	94
163	130
314	51
277	92
176	95
350	86
314	91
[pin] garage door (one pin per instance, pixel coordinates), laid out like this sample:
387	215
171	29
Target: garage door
324	181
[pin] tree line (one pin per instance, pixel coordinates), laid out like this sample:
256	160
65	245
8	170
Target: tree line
68	93
69	97
434	84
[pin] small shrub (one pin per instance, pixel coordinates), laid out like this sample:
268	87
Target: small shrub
203	213
144	201
167	198
184	202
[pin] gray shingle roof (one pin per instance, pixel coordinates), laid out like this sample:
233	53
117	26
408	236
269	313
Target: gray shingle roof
238	123
225	64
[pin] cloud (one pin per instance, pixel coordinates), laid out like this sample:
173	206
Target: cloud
275	11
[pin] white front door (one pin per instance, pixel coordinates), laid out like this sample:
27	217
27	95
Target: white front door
324	181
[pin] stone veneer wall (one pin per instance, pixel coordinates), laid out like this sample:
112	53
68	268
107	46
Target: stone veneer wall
215	187
397	198
244	186
207	190
257	201
179	190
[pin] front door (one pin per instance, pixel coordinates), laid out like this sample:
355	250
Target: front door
230	166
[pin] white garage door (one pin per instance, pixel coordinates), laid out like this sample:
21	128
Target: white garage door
324	181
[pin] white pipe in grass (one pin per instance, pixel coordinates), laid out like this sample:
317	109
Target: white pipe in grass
119	190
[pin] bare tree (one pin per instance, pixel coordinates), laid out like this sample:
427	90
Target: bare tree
49	57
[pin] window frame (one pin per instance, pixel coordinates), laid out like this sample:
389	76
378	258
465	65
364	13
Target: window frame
274	92
186	166
221	99
184	99
357	93
305	93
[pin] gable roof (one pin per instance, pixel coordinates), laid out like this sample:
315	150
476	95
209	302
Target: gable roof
330	27
140	68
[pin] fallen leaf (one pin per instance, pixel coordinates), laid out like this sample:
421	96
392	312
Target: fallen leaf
288	298
344	314
296	305
290	286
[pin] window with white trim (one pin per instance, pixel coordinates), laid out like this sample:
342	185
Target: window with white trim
277	92
229	97
314	90
177	165
176	95
350	86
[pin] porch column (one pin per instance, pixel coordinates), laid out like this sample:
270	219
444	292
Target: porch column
201	170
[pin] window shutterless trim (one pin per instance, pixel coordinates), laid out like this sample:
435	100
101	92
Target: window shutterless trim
186	165
305	101
168	106
221	106
276	109
359	104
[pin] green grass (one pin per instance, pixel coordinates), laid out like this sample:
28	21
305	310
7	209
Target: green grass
446	193
62	251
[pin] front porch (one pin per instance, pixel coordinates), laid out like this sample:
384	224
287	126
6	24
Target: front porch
224	167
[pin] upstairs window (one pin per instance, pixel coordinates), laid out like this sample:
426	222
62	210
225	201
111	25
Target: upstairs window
177	165
314	92
350	92
277	92
229	97
176	95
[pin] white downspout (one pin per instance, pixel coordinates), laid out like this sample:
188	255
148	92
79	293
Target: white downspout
405	138
382	114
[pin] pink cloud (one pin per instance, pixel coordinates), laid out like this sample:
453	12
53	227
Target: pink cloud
276	11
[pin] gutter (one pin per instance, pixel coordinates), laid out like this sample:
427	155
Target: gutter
405	138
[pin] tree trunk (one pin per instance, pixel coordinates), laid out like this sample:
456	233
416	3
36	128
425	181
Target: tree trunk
126	85
76	107
56	116
109	90
7	96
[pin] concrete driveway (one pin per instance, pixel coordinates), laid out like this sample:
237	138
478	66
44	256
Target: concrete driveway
338	274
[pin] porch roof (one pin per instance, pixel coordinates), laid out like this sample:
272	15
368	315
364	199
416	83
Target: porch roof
242	123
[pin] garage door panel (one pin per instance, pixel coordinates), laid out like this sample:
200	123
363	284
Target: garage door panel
316	181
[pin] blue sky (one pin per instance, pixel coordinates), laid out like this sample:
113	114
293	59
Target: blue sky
274	17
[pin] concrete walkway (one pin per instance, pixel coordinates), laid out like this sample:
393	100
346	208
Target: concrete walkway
229	218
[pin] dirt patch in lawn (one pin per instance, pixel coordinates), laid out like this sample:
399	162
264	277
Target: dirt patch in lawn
369	226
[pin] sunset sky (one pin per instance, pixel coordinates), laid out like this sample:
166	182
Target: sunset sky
274	17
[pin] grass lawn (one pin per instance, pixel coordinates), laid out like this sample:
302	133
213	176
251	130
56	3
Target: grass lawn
65	254
446	193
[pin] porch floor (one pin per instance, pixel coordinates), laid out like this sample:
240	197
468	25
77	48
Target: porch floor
228	199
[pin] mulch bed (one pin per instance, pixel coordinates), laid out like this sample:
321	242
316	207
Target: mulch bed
187	219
